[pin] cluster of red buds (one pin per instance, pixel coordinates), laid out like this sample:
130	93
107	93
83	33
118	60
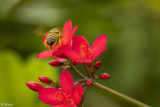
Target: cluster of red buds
68	52
35	86
93	77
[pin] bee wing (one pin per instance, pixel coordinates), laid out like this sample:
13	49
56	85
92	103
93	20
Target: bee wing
40	31
56	29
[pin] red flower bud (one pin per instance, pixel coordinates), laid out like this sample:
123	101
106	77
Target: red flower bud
97	65
55	63
74	62
34	86
89	82
104	76
45	79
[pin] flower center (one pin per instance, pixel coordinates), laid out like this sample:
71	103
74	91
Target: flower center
86	51
62	97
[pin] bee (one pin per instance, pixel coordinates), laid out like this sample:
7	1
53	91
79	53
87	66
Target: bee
54	37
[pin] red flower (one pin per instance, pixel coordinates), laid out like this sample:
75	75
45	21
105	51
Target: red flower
66	40
81	51
67	97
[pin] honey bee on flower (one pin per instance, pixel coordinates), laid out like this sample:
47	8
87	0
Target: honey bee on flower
55	44
53	37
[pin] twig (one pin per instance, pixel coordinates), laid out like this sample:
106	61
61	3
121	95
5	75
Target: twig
113	92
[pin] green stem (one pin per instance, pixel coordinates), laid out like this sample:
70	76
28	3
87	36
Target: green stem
120	95
78	81
85	93
113	92
94	71
90	70
85	67
77	72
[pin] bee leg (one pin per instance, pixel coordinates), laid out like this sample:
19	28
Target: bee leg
59	40
60	36
50	48
56	44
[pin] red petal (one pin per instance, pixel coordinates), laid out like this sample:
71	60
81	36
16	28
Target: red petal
64	105
72	55
99	53
49	96
60	59
58	53
67	30
60	105
73	105
99	44
44	38
77	42
74	30
44	41
44	54
77	95
66	82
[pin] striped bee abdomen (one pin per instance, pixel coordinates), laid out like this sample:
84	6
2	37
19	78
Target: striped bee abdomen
51	39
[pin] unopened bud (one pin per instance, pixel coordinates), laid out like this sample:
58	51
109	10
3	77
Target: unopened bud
34	86
104	76
89	82
45	79
74	62
55	63
97	65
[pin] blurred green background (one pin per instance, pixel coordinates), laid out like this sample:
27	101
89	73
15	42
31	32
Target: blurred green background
132	58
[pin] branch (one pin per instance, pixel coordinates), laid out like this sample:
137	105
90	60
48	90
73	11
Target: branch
85	67
77	72
120	95
111	91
